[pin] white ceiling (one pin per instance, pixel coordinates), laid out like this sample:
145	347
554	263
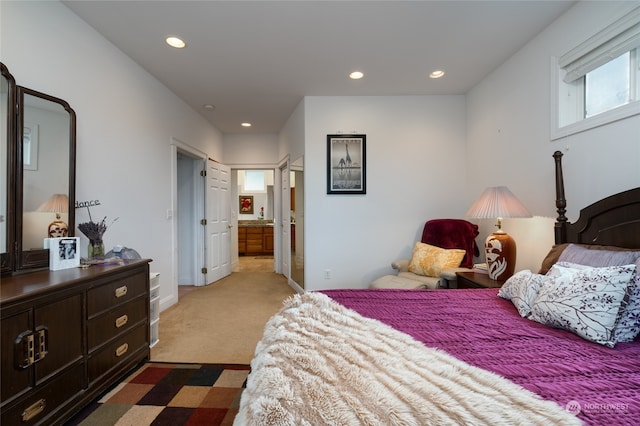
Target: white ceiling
255	60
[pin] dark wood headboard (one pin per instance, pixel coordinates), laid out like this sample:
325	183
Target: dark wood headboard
614	220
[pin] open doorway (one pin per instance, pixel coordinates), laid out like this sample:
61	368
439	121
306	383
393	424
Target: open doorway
254	212
200	217
190	210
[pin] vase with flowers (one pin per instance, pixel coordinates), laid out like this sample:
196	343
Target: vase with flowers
94	231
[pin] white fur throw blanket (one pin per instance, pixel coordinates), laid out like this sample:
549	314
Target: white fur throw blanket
320	363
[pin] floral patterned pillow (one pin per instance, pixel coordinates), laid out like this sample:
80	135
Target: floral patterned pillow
522	289
430	260
629	326
586	302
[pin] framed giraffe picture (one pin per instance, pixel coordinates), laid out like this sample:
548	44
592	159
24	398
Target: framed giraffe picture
346	164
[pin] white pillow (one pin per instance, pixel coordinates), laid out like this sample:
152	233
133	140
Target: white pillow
522	289
562	268
586	302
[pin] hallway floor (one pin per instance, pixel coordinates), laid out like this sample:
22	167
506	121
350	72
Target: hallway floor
245	264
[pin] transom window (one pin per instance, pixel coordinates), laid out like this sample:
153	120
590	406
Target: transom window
609	86
598	82
254	181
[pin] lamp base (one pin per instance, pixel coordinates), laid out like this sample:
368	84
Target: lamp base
500	251
58	229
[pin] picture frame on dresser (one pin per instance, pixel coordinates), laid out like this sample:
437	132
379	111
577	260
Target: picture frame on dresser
64	252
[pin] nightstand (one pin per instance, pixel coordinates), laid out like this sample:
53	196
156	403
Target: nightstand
475	280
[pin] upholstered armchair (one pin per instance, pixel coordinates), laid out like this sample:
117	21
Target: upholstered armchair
447	246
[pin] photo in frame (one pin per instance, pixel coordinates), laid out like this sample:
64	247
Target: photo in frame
346	164
245	204
64	253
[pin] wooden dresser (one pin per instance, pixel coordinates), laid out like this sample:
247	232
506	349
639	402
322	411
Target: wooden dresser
67	335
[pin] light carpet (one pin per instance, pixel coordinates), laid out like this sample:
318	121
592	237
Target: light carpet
221	323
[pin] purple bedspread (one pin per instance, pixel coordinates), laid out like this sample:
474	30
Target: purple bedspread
484	330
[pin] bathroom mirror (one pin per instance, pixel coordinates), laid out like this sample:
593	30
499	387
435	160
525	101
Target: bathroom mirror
45	170
7	156
297	221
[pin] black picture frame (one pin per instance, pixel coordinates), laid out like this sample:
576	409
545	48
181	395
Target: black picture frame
346	164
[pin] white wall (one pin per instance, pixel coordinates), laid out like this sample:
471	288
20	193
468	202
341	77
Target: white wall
508	139
257	150
415	154
125	121
291	138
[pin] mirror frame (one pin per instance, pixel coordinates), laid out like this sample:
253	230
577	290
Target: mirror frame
296	168
33	259
7	260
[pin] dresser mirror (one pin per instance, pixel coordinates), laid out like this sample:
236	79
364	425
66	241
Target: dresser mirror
40	186
7	154
46	184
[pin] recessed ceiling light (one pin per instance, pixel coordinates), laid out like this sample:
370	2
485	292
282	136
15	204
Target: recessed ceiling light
356	75
208	107
175	42
246	124
436	74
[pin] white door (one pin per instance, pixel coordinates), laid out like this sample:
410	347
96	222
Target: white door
218	225
285	220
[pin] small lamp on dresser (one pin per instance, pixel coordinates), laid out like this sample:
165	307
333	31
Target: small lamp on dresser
500	248
57	203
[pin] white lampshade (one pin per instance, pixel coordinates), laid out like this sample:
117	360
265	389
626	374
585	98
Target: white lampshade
497	202
57	203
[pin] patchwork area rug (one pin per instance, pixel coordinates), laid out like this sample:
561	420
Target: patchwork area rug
170	394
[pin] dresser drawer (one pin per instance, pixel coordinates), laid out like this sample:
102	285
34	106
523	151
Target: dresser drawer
45	400
118	351
116	292
117	321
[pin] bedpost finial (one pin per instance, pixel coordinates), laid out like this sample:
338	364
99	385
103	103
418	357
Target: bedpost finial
561	202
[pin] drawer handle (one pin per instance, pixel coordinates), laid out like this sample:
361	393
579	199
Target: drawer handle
122	349
33	410
120	321
121	291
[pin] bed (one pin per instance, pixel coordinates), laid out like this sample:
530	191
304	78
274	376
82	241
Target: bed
458	356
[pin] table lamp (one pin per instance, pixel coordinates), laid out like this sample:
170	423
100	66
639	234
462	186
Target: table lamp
500	249
57	203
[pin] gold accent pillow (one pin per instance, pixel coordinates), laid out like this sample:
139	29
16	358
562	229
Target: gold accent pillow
430	260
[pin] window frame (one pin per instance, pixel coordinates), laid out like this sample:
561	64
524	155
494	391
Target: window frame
568	98
246	188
